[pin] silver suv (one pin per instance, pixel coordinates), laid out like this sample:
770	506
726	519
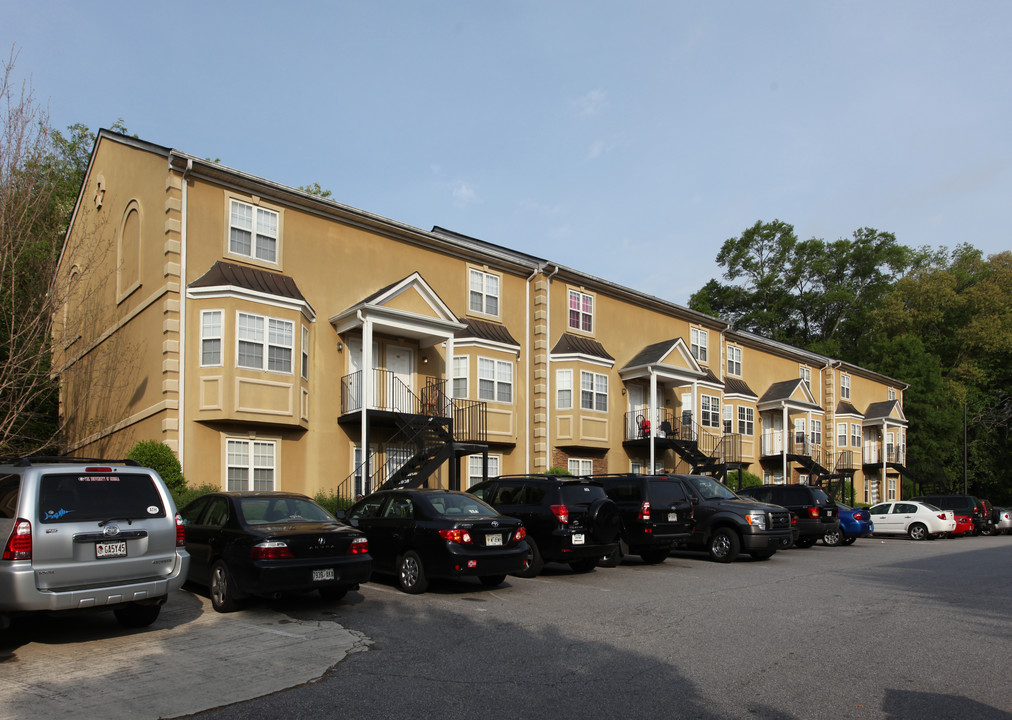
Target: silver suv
83	534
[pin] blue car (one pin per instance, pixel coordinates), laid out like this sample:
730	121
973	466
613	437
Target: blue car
853	524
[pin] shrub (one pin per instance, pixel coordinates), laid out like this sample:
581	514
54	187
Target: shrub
332	502
159	457
556	470
186	495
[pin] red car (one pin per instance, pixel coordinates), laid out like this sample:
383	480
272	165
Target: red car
964	526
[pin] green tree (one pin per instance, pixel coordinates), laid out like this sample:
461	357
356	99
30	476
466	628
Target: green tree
315	189
159	457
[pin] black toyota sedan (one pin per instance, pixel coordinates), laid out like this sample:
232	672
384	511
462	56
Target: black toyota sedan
267	544
421	534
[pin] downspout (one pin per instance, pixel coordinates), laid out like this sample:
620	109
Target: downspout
182	319
548	371
527	373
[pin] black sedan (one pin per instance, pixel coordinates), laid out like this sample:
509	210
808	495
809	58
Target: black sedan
271	543
421	534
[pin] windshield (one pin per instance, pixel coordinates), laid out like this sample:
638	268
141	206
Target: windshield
710	489
76	497
267	510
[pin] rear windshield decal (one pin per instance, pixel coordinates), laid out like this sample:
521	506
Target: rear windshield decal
56	514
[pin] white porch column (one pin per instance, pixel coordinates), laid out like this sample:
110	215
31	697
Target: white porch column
653	420
367	394
449	367
785	438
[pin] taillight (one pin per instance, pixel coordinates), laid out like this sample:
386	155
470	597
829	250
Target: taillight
520	534
180	531
359	546
270	550
942	516
456	535
813	512
19	544
794	520
645	510
561	512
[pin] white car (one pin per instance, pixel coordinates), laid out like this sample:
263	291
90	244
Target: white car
919	520
1004	522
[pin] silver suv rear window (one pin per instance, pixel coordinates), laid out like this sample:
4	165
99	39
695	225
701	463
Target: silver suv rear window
77	497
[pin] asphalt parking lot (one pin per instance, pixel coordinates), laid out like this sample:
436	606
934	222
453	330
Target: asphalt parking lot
881	629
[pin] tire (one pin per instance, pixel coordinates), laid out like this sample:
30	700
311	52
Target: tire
604	521
332	594
917	531
222	588
133	615
583	566
411	573
988	530
762	554
492	580
805	542
849	540
723	546
655	555
834	538
534	561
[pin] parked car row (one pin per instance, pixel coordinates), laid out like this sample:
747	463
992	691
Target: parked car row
105	535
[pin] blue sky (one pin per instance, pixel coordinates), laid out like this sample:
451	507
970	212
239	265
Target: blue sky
625	139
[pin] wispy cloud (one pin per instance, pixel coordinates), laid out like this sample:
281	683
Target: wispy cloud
597	149
592	103
464	194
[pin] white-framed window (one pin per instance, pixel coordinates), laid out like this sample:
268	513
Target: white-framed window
461	375
264	343
483	292
746	420
581	311
305	353
699	340
855	435
867	490
891	488
806	375
564	389
892	394
635	467
773	478
728	419
845	386
709	411
211	338
581	466
250	464
816	433
363	486
841	434
474	469
253	232
593	391
890	446
733	360
495	380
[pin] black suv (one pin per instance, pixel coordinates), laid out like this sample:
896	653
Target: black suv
656	514
817	514
568	520
961	505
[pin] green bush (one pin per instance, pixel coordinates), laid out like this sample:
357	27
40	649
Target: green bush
331	502
160	458
186	495
556	470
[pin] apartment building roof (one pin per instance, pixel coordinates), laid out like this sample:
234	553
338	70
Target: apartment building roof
485	330
570	344
226	274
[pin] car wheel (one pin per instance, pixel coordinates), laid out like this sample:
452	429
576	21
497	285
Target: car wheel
582	566
604	520
492	580
657	555
805	542
133	615
762	554
411	574
533	563
848	540
222	587
724	546
917	531
332	594
833	538
988	530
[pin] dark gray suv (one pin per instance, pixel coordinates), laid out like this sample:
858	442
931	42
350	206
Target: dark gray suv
84	534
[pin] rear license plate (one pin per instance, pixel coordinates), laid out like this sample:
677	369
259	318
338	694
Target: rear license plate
493	539
324	574
578	539
110	549
672	517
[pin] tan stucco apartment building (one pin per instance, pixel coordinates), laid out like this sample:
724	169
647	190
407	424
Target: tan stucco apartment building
268	335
